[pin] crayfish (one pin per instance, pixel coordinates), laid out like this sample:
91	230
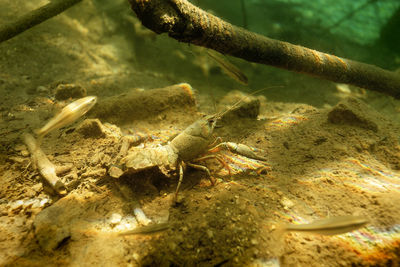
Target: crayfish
186	149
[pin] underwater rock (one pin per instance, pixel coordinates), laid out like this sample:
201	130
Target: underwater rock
115	172
248	109
354	112
91	128
53	225
248	105
66	91
140	104
42	89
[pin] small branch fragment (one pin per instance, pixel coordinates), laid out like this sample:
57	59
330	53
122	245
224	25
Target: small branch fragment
34	18
43	164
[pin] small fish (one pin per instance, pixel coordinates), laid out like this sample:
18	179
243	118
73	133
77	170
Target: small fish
330	226
230	69
68	114
148	229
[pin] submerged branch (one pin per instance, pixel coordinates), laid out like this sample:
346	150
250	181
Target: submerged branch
34	18
187	23
43	164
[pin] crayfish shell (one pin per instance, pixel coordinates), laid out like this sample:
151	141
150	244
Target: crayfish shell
139	159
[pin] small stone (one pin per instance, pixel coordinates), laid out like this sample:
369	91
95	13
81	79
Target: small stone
256	252
17	205
210	233
91	128
115	172
20	147
340	148
37	187
3	210
141	217
352	111
66	91
43	202
136	256
115	219
30	192
254	242
19	160
343	88
129	222
208	196
29	203
24	153
36	204
287	203
42	89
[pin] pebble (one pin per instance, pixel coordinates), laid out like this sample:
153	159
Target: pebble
115	172
42	89
29	203
287	203
115	219
24	153
20	147
19	160
43	202
36	204
65	91
37	187
29	192
3	210
254	242
92	128
210	233
17	205
127	223
141	217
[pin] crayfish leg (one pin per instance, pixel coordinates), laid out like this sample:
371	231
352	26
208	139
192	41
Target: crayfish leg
179	182
220	159
202	168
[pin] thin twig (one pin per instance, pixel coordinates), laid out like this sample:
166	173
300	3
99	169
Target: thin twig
34	18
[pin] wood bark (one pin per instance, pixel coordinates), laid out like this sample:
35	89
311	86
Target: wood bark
43	164
34	18
187	23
